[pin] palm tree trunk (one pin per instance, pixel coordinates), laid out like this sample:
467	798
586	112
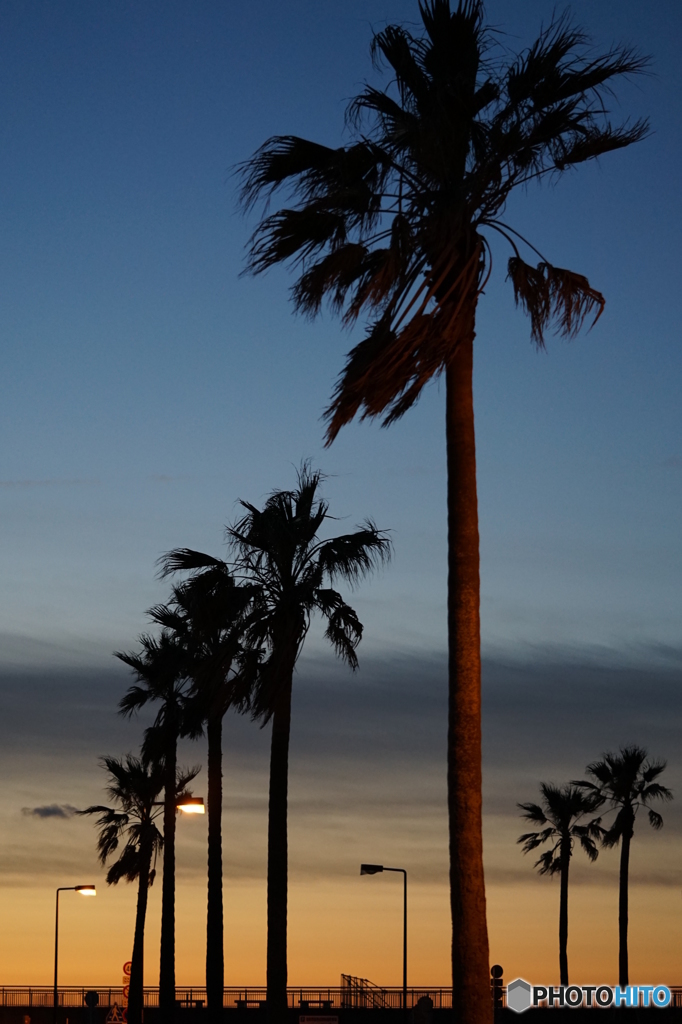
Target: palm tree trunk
167	965
215	967
278	861
136	990
470	974
623	972
563	918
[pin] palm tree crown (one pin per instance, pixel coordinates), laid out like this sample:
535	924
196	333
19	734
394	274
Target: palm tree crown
561	810
279	549
397	223
627	782
134	786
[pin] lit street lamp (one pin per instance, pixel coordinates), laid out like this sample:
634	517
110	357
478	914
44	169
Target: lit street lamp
187	804
84	890
374	869
192	805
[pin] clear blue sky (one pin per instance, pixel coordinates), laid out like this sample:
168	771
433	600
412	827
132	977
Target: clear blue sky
145	387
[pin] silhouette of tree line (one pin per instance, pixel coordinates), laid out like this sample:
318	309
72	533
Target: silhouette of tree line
396	225
623	783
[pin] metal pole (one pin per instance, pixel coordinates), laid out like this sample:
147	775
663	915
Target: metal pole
405	943
55	993
56	954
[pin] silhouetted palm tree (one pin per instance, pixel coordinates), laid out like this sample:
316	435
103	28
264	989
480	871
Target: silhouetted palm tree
161	669
133	786
396	225
626	781
279	549
561	809
214	610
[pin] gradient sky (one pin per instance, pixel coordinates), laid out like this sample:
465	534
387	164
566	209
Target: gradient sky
146	387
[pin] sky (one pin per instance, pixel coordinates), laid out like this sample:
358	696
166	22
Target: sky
146	387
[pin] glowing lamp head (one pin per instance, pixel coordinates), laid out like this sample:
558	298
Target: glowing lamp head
192	805
371	869
86	890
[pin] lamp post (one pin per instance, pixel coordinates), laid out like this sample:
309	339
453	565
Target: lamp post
374	869
84	890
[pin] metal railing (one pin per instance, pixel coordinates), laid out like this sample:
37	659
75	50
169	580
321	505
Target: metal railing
245	998
353	994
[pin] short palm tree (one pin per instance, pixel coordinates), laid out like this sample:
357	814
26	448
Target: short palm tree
279	549
626	781
214	610
133	786
559	814
397	225
161	668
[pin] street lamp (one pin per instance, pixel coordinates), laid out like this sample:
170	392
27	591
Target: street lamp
186	804
374	869
84	890
192	805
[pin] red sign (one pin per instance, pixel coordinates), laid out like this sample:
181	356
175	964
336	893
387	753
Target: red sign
127	967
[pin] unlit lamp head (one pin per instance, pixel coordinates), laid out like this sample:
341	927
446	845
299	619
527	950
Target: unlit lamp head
371	869
192	805
86	890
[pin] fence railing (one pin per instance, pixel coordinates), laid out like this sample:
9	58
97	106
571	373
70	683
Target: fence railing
245	998
344	997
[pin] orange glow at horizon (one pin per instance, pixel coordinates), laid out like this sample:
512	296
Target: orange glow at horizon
341	927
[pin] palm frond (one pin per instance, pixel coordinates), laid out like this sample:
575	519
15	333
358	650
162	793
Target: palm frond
549	863
185	560
656	792
352	556
278	160
534	813
553	296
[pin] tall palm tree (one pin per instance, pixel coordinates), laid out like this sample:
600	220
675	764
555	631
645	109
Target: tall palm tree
396	225
561	809
133	786
161	669
214	610
280	550
626	781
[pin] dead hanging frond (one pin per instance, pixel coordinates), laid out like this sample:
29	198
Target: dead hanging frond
385	374
554	296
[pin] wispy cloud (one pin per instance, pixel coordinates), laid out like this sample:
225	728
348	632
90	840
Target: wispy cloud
50	811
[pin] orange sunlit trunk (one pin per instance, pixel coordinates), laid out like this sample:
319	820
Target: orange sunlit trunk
472	1003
